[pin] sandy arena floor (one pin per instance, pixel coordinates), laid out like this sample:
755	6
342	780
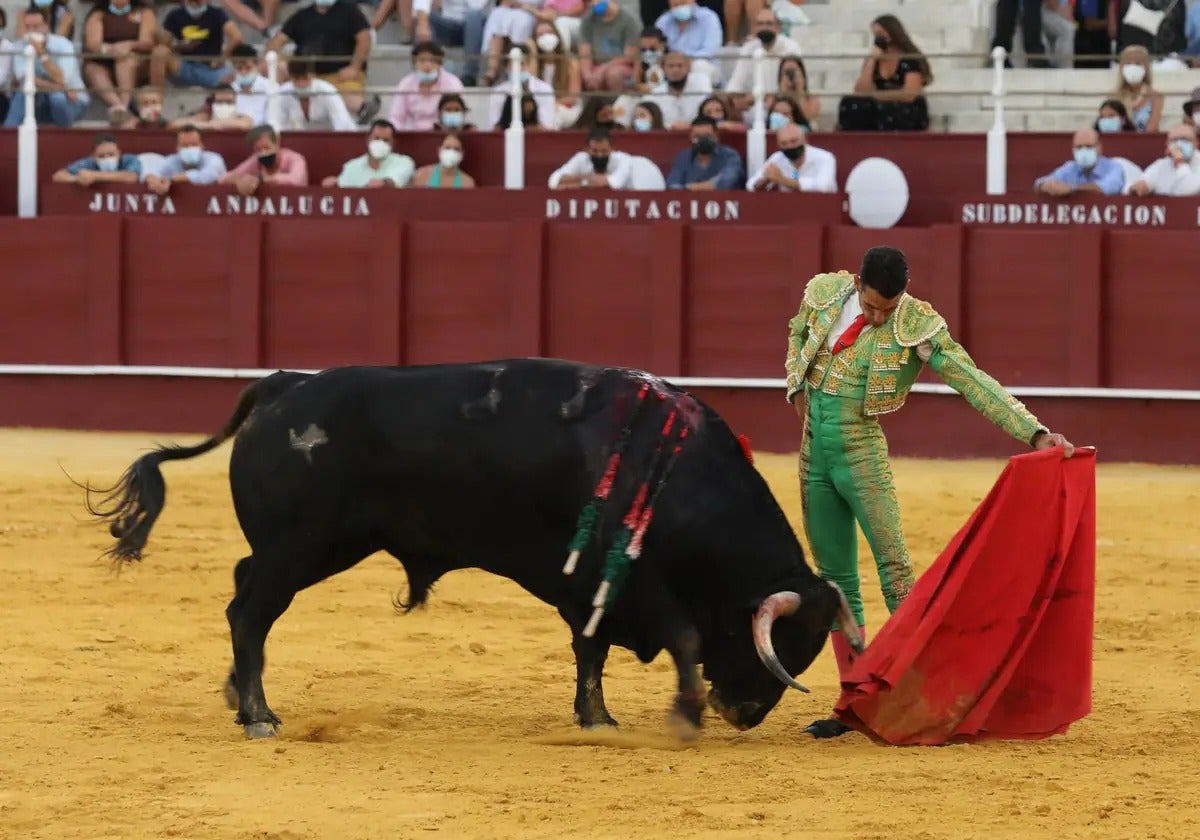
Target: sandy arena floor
457	720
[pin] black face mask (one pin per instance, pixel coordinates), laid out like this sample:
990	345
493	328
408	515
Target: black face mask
794	153
705	145
599	164
267	161
606	124
767	36
881	42
677	85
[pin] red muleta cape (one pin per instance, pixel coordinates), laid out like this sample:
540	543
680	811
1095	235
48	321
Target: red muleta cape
995	639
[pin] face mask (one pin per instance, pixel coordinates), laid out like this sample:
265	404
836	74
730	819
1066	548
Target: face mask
452	119
302	92
119	10
881	42
767	36
599	164
190	155
1108	124
683	13
267	160
606	124
151	114
1133	73
427	76
106	164
35	37
794	153
524	77
247	79
196	11
600	9
705	145
379	149
677	84
1186	148
324	3
651	57
449	158
43	4
777	121
547	42
1086	158
642	124
224	110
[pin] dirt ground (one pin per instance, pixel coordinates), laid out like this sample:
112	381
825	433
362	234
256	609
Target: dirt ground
457	719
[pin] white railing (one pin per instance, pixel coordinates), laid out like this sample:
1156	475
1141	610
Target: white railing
514	135
27	150
273	105
756	137
997	145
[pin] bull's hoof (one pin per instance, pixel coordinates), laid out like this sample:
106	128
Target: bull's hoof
605	721
262	729
822	729
231	695
681	727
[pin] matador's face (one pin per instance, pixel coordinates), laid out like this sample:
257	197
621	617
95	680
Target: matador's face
875	306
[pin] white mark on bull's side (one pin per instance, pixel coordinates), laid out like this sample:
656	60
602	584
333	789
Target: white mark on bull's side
313	436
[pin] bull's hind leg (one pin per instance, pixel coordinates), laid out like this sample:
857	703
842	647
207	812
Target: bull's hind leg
230	688
590	711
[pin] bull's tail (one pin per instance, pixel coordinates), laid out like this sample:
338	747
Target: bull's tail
131	506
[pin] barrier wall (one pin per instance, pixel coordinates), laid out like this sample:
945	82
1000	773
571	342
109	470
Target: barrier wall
939	167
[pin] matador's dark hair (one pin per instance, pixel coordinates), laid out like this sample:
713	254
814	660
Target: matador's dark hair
885	270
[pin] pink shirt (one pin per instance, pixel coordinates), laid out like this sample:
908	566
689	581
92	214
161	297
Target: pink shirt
561	6
293	169
416	110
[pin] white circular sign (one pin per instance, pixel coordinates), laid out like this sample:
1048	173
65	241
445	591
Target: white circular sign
878	193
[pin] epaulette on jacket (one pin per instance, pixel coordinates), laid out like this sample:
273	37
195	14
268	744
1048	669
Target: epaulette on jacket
824	290
916	321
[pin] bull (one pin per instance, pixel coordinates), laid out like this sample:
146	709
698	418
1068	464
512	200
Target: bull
488	466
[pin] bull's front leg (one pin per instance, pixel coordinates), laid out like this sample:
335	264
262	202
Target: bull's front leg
683	644
590	711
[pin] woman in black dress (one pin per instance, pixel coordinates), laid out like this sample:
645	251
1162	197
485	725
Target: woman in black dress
888	95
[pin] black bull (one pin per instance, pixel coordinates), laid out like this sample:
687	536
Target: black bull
488	466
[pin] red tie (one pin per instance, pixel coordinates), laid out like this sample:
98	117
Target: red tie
847	338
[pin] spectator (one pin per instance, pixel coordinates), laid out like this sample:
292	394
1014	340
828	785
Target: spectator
334	29
199	40
608	47
309	102
6	64
452	114
148	109
61	98
694	31
775	45
682	91
568	20
599	112
251	87
453	23
599	166
191	163
792	83
416	98
1088	172
220	113
541	93
551	63
243	11
529	114
718	108
447	172
121	34
785	110
1190	108
1091	34
1058	30
511	22
1031	30
379	167
707	165
647	117
106	165
1136	90
791	16
888	92
1178	173
653	48
1113	117
268	164
798	166
1191	32
59	17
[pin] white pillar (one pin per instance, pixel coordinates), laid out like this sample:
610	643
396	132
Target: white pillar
514	135
273	118
997	149
756	137
27	142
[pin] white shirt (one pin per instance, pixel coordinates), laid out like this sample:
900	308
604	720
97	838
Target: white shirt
817	172
1167	178
851	309
452	9
543	95
684	106
325	105
619	169
742	80
6	63
253	102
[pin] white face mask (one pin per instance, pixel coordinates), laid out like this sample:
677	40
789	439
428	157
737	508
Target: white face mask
449	158
547	42
224	110
379	149
1133	73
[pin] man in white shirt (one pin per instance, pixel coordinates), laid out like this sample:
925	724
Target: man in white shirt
307	102
543	94
1176	174
599	166
797	166
775	45
680	94
252	88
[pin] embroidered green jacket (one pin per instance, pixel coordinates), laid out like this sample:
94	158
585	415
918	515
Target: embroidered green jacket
915	335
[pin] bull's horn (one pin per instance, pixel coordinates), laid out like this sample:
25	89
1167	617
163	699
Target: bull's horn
847	620
772	607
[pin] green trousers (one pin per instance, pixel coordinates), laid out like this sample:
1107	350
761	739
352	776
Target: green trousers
845	476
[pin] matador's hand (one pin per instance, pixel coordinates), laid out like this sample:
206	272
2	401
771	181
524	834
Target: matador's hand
798	404
1049	440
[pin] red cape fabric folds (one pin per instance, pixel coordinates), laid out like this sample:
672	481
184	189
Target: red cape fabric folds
995	639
